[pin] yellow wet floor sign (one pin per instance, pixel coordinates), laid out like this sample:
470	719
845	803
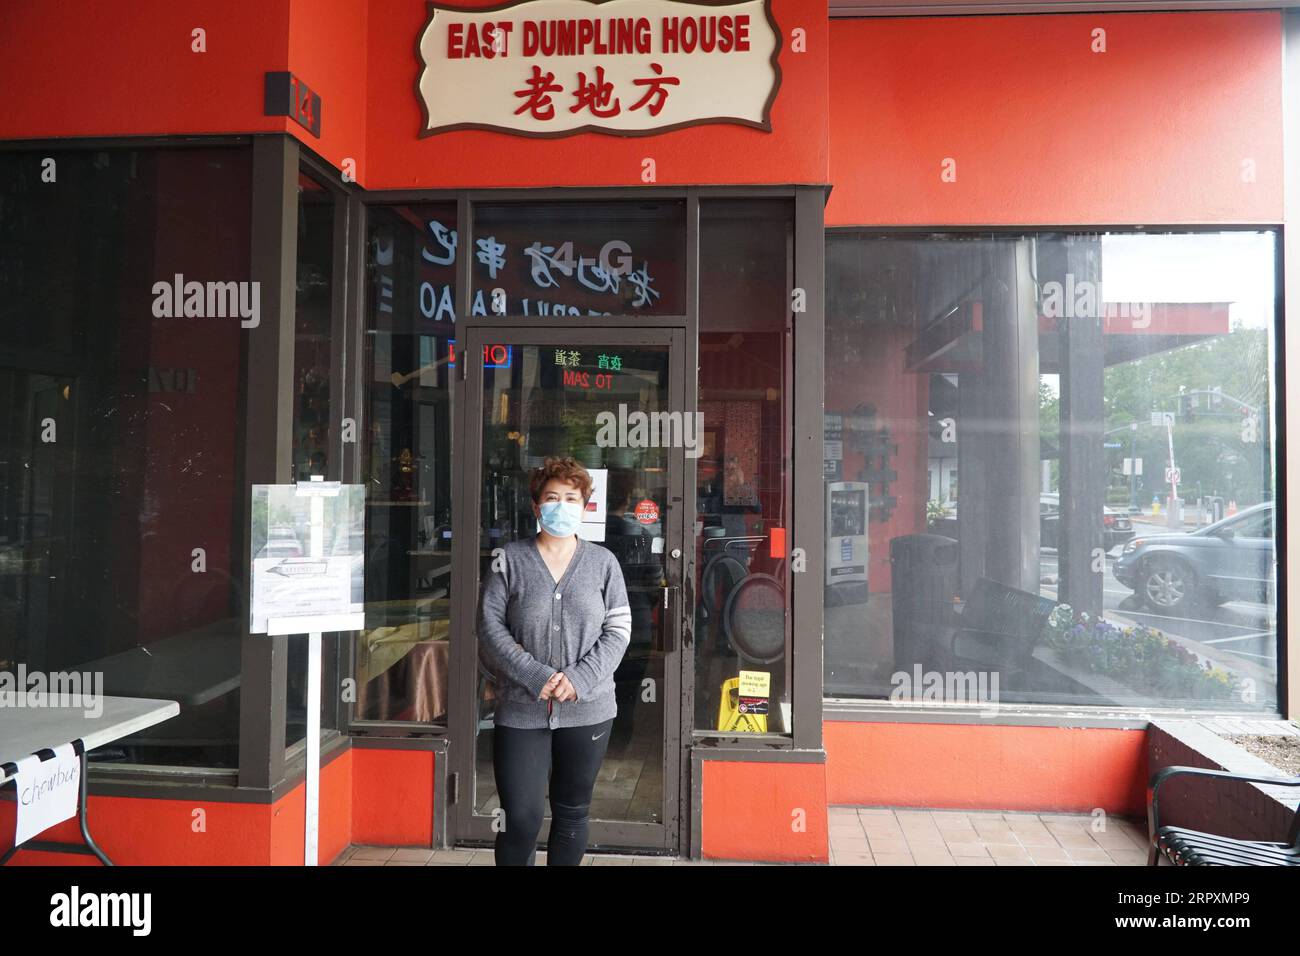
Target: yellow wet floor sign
733	715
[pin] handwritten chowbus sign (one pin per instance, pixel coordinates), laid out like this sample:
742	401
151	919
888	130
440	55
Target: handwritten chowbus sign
624	67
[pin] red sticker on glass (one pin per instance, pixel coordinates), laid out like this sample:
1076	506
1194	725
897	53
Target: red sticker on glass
777	544
647	512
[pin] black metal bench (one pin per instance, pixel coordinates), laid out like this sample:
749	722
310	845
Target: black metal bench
1184	847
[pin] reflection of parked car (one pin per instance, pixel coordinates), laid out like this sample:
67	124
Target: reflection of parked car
282	543
1230	560
1116	526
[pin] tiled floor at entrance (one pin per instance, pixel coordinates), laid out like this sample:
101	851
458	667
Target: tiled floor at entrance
628	787
869	836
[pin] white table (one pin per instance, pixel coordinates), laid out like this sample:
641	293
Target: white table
191	668
28	730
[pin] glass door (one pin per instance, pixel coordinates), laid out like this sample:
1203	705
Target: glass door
612	399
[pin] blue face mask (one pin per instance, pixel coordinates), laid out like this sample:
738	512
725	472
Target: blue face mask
561	518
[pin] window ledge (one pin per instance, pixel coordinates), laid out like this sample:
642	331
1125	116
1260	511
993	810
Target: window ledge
1010	715
182	783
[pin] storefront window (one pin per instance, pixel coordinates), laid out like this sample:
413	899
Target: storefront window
1049	469
312	432
402	655
312	317
743	474
121	432
579	258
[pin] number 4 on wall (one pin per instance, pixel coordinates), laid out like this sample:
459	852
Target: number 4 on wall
286	95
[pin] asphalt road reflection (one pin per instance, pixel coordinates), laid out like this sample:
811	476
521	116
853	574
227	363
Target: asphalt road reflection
1243	629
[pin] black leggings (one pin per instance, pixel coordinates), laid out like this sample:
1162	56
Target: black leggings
521	762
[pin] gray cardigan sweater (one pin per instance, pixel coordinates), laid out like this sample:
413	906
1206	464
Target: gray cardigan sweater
530	626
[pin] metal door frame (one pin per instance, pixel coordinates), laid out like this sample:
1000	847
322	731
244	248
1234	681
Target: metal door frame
463	824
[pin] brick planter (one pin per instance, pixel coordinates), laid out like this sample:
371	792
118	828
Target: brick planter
1245	811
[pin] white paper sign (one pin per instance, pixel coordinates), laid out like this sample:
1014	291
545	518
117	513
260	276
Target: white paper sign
595	510
301	587
555	67
593	516
47	792
308	557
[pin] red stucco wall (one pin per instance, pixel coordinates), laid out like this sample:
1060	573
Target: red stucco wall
1045	131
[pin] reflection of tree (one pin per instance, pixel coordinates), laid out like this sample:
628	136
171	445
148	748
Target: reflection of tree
1209	448
260	523
282	509
500	450
579	423
1049	426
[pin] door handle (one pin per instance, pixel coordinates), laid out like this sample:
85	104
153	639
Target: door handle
670	620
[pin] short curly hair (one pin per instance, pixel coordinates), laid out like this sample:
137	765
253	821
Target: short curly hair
567	470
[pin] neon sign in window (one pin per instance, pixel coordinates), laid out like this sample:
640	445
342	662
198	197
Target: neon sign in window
494	356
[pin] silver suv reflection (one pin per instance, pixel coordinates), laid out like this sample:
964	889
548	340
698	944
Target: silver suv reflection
1230	560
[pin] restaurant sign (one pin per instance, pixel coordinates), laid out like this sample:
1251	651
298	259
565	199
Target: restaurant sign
624	67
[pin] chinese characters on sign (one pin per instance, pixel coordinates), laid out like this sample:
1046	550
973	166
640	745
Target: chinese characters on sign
594	96
612	270
555	67
570	360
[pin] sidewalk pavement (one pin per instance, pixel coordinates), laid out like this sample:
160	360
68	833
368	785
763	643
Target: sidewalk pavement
870	836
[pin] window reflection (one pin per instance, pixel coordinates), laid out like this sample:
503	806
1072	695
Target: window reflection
119	529
402	656
313	311
742	620
1065	444
579	258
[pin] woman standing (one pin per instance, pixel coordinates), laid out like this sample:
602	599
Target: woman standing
554	623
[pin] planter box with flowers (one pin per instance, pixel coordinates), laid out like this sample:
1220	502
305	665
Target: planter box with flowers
1139	658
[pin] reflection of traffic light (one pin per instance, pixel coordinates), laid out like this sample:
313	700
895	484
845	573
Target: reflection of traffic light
1187	407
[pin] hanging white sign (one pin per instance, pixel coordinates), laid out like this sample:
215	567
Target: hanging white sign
625	67
593	516
308	559
47	792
